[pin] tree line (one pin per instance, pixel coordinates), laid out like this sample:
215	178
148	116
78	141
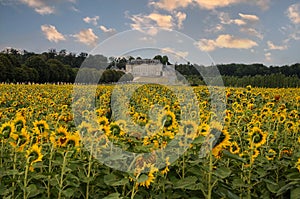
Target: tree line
63	66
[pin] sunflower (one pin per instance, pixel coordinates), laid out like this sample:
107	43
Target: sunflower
271	154
290	126
146	179
254	155
166	169
298	164
73	140
103	121
234	148
257	137
20	140
35	155
203	129
41	128
123	126
167	119
116	130
222	141
6	129
59	137
189	129
19	123
281	118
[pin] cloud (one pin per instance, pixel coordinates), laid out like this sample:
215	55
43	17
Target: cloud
171	5
245	19
268	56
152	22
181	16
175	52
293	12
52	34
74	9
91	20
215	28
252	32
39	6
107	30
251	18
225	41
272	46
87	37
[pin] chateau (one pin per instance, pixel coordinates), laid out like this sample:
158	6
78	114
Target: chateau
151	71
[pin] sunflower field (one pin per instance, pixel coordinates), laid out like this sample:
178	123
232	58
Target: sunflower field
148	141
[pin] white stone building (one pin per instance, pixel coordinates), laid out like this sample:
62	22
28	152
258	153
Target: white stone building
151	71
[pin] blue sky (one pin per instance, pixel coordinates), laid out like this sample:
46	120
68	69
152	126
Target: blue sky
240	31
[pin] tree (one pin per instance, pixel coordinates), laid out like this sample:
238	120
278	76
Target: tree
39	64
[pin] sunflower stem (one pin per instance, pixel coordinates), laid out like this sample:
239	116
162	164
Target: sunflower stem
62	175
89	172
25	178
50	170
14	168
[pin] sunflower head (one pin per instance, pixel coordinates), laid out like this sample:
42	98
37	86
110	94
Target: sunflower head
41	126
19	123
6	129
34	153
167	119
257	137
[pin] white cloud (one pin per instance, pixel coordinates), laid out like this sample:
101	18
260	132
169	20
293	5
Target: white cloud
225	41
245	19
52	34
91	20
39	6
181	16
215	28
107	30
251	18
150	23
252	32
272	46
74	9
175	52
87	37
171	5
293	12
268	56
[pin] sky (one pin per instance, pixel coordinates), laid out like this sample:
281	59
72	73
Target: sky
206	31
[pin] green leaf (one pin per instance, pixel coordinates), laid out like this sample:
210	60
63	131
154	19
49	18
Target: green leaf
68	192
142	178
286	187
233	156
32	190
185	182
113	180
112	196
295	193
222	172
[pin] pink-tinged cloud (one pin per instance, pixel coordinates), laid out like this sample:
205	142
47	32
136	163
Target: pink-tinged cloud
39	6
52	34
293	12
86	37
225	41
91	20
272	46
